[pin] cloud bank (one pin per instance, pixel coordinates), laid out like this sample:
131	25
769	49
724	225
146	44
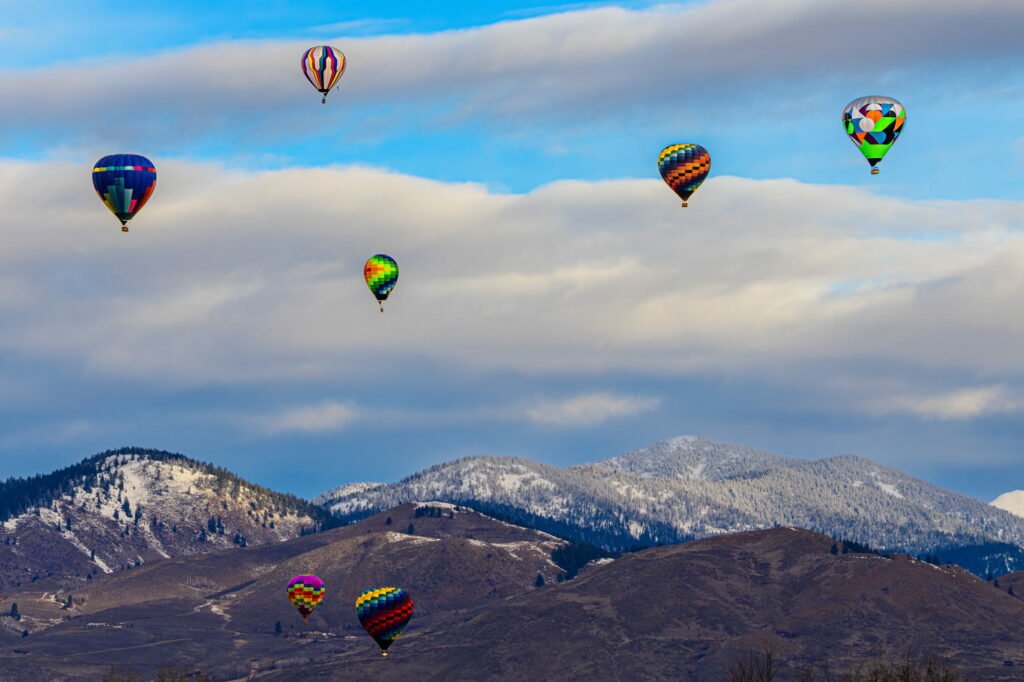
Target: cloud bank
676	60
230	278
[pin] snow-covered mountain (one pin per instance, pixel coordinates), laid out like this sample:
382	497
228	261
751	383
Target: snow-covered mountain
1012	502
120	509
691	487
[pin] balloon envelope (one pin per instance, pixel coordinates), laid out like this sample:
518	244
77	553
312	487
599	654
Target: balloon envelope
684	167
305	592
873	124
384	612
323	65
381	275
124	183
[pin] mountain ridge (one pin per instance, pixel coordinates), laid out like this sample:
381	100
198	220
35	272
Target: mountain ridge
124	507
690	487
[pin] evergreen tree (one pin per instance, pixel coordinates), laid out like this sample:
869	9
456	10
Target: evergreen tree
410	530
14	613
835	548
539	582
388	521
67	603
277	628
1010	591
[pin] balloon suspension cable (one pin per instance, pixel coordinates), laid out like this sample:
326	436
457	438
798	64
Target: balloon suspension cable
874	171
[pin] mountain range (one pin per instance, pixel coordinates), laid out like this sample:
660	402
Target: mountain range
691	487
139	558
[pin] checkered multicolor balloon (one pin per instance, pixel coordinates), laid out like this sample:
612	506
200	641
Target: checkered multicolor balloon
305	592
684	167
384	612
381	275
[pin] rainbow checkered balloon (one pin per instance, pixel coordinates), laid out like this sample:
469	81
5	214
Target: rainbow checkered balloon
384	612
381	275
305	592
684	167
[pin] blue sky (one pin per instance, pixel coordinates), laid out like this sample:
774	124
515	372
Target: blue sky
555	302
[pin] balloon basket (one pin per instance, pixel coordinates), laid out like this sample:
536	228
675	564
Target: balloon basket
323	101
384	653
685	204
874	171
305	622
124	228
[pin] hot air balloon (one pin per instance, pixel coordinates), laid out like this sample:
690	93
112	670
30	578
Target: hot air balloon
305	592
874	123
323	65
124	183
384	612
684	167
381	274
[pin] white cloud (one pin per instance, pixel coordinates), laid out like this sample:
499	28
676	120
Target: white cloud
327	416
669	58
966	403
232	278
589	409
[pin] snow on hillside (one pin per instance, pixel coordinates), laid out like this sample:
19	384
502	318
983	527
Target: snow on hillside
132	508
692	487
342	490
1012	502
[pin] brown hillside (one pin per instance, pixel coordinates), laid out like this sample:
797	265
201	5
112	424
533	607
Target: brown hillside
191	611
686	612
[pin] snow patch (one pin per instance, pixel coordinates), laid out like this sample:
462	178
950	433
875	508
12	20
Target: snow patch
392	536
1012	502
890	488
